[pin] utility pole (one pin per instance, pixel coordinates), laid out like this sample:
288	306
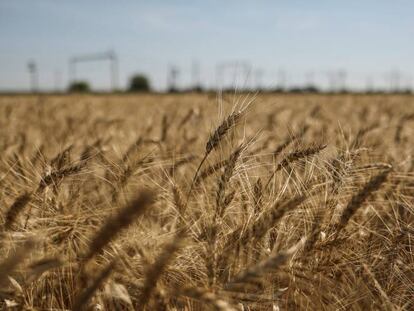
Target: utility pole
369	84
114	69
395	79
34	79
72	70
341	80
332	81
58	80
172	78
235	67
258	75
195	75
281	79
409	84
309	79
219	76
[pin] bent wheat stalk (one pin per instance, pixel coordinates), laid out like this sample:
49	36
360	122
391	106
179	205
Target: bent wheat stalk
82	300
8	265
296	156
15	209
272	263
123	219
359	198
154	272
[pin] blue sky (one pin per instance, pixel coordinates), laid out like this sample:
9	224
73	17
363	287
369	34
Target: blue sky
305	40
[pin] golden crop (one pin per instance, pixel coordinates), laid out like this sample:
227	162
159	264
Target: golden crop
188	202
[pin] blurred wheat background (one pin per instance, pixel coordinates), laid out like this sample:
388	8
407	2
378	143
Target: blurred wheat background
192	202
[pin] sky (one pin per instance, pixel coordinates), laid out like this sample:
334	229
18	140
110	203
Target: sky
235	43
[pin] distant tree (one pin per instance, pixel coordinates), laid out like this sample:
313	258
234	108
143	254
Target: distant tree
197	89
279	89
172	89
139	83
311	89
406	91
79	87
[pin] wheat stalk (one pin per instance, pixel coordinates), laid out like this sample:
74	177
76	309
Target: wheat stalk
207	297
359	198
214	140
16	208
81	301
295	156
273	262
153	273
8	265
124	218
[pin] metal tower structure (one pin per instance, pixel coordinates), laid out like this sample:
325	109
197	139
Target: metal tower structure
341	77
337	80
408	85
258	77
172	78
105	56
236	67
281	78
394	78
57	80
369	84
310	79
34	79
195	75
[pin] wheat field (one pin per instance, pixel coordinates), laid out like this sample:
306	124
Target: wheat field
205	202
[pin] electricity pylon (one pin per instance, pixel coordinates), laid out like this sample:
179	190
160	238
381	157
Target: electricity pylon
105	56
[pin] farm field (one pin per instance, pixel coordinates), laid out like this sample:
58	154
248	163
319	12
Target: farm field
198	202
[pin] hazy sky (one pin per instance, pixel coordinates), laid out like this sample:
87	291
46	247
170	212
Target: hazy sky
305	39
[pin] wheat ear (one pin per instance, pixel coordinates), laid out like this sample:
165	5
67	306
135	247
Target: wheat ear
359	198
81	301
214	140
121	220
